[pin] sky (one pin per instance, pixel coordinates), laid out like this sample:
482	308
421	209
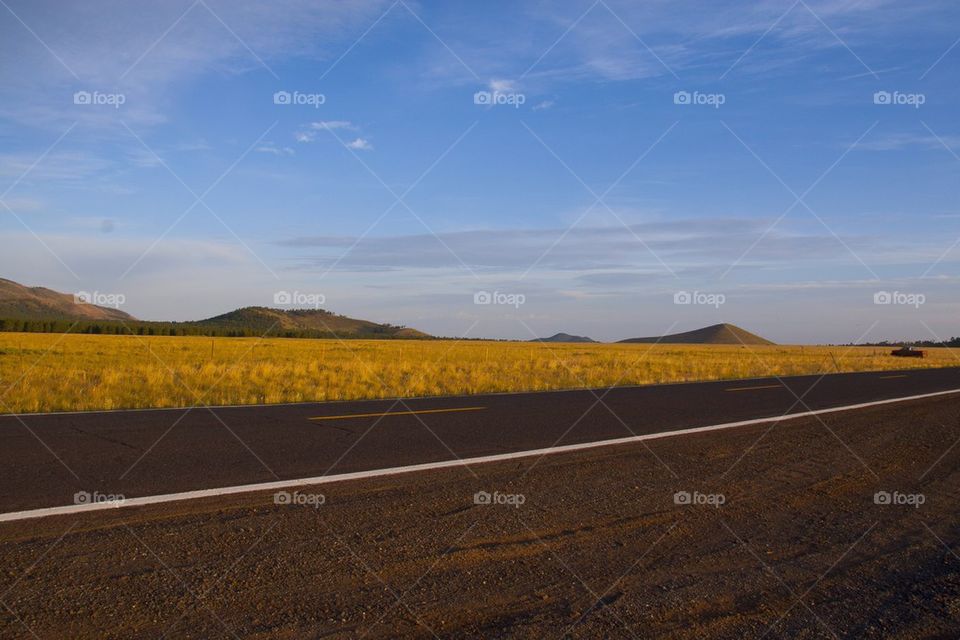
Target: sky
496	169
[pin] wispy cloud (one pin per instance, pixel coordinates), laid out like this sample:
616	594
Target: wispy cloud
149	52
560	43
57	166
907	140
273	149
310	132
332	124
696	245
24	205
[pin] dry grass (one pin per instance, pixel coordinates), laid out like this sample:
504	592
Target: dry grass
48	372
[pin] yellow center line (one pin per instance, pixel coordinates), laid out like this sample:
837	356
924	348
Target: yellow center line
769	386
889	377
394	413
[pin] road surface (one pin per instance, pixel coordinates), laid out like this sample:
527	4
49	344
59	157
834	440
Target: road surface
47	459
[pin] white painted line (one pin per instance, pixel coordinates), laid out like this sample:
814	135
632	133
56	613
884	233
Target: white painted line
429	466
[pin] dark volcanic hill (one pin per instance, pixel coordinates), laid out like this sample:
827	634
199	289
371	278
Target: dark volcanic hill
39	303
265	319
564	337
714	334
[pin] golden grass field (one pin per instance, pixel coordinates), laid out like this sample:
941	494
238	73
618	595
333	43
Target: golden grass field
53	372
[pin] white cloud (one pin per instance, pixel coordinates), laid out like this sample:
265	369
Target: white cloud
309	133
332	124
361	144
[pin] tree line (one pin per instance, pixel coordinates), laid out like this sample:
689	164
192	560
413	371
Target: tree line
952	342
150	328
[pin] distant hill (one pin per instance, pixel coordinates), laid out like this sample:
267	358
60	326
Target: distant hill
564	337
36	309
714	334
304	321
39	303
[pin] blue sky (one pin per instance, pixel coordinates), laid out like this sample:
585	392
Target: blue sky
794	158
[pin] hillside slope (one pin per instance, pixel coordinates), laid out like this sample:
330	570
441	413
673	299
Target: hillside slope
564	337
714	334
265	319
18	301
36	309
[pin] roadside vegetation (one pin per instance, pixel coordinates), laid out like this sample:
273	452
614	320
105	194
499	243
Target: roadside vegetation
49	372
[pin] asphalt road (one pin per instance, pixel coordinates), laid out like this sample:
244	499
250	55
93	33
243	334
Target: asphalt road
46	459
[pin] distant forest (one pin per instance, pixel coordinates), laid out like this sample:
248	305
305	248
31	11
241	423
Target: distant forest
148	328
952	342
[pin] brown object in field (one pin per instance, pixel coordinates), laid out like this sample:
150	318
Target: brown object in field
908	352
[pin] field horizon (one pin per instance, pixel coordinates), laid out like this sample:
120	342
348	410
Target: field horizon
105	372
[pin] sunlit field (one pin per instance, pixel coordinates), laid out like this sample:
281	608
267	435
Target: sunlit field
49	372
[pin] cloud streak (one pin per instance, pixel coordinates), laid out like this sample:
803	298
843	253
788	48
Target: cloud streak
695	246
